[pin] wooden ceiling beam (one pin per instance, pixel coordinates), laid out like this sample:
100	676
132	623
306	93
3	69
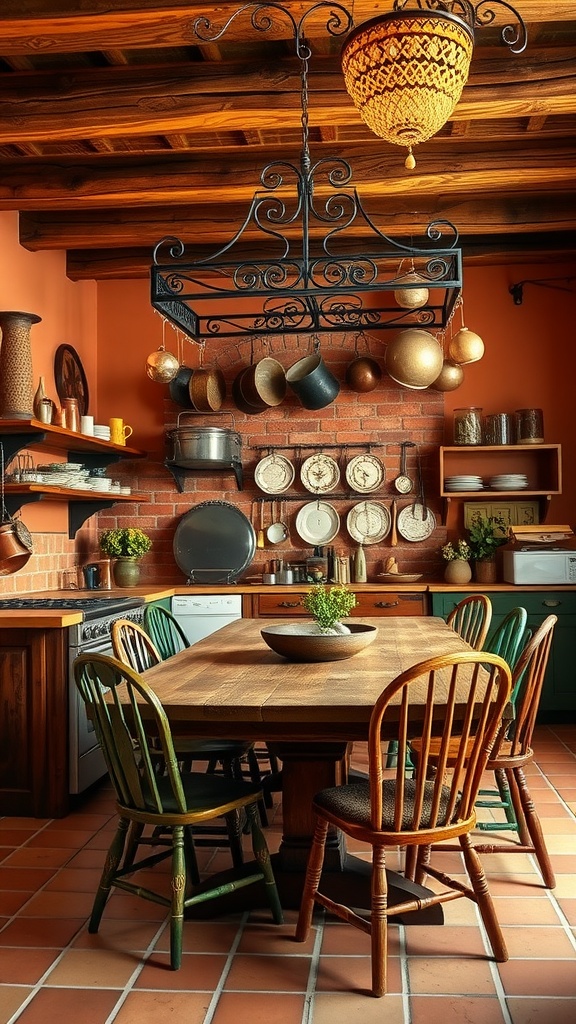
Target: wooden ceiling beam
215	225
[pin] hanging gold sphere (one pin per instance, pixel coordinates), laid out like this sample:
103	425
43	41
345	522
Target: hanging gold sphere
411	298
450	377
162	366
414	358
465	347
363	374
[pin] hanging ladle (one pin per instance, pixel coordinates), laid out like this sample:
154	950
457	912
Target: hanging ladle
277	531
403	483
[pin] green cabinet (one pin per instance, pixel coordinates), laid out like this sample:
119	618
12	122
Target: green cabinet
559	693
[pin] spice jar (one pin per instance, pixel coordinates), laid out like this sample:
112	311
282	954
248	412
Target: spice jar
497	428
529	426
468	425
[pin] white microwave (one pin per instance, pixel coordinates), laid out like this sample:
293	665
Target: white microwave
540	566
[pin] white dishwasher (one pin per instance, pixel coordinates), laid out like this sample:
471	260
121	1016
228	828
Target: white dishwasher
202	614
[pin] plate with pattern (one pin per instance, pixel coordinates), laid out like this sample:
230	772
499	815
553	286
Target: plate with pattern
317	523
274	474
368	522
320	473
365	473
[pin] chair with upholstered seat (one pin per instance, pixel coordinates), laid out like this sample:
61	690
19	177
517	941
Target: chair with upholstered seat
465	697
471	619
125	710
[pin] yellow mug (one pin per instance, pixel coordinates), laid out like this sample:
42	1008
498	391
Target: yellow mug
119	431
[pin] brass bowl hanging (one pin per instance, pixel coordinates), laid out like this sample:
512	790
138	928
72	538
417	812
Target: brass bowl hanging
450	377
207	389
414	358
363	374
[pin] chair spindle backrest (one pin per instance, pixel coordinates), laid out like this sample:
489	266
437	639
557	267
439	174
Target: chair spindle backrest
465	696
117	699
508	638
527	682
132	645
166	632
471	619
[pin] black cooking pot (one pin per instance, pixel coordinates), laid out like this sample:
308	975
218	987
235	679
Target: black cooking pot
312	381
180	388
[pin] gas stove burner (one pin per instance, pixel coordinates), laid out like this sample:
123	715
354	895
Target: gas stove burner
92	607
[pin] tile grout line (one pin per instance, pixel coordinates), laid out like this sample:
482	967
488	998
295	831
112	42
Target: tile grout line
225	970
308	1011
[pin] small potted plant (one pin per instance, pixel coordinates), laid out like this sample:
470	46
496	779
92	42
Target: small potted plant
328	605
126	545
486	535
457	554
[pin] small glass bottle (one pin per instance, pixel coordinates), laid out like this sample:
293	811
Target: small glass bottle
468	425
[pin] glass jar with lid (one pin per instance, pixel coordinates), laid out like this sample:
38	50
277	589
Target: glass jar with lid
497	428
468	425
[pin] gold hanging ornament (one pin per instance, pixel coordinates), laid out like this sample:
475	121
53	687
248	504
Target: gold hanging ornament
162	366
411	297
451	375
414	359
465	346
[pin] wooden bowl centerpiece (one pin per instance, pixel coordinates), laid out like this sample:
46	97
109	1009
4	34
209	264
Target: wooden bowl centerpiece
301	641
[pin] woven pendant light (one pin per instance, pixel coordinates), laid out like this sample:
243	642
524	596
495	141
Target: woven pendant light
405	73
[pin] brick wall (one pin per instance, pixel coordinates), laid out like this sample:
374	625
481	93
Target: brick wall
385	416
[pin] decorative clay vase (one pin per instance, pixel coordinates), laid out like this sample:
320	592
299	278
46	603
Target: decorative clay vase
126	571
458	571
16	380
485	570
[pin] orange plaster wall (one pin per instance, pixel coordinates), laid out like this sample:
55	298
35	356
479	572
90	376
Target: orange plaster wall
37	283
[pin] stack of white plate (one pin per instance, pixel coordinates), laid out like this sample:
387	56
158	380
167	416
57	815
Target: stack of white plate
102	432
509	482
463	483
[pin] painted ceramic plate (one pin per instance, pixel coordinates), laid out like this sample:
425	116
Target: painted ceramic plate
274	474
317	522
365	473
320	473
368	522
413	524
70	378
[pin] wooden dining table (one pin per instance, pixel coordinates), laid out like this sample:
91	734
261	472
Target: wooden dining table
231	685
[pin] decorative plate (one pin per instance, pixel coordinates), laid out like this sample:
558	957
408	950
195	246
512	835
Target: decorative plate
320	473
70	378
365	473
413	525
317	522
274	474
400	577
368	522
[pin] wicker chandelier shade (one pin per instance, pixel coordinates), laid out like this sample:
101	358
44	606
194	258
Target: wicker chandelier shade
405	73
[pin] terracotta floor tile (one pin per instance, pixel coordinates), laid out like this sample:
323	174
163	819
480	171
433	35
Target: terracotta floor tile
345	940
15	836
27	879
445	941
550	943
541	1011
94	968
34	824
10	902
258	1008
84	820
45	932
66	839
338	1007
11	999
353	974
59	904
568	907
37	857
202	937
564	863
450	976
25	969
276	939
154	1007
75	880
124	906
199	973
556	978
460	912
55	1005
526	911
438	1010
129	936
269	973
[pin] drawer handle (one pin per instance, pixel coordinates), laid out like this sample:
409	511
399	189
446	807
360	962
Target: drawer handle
551	604
288	604
386	604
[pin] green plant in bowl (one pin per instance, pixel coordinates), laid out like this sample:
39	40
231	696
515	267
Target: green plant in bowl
125	542
328	605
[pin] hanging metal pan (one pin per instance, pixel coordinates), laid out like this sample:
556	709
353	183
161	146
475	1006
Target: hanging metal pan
417	522
214	543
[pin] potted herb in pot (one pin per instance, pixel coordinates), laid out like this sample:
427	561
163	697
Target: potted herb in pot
485	536
458	568
126	545
327	606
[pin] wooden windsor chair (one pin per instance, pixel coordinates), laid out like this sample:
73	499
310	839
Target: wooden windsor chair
465	697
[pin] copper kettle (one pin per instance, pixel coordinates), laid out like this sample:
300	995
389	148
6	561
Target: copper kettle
15	539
